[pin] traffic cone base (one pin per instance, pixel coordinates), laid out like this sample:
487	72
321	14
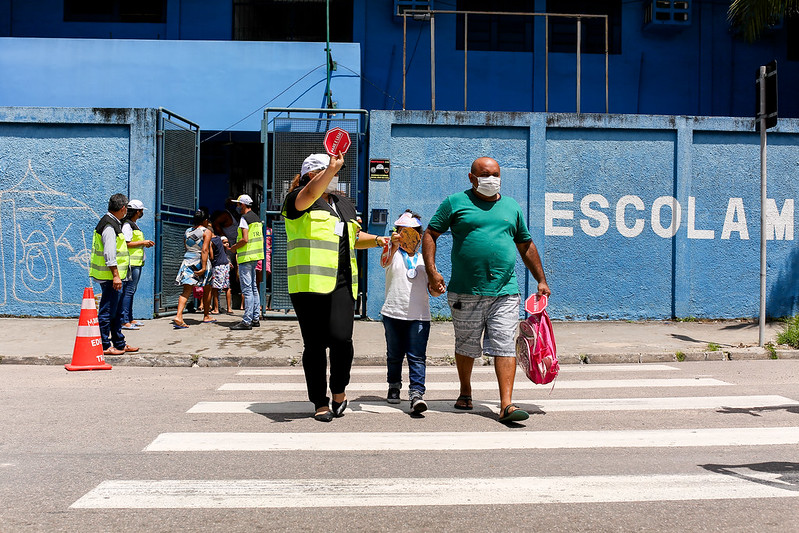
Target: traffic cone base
88	351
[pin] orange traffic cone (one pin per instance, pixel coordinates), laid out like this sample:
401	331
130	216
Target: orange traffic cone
88	352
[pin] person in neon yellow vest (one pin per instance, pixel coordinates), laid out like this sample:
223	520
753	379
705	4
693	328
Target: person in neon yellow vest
109	266
249	250
136	245
323	232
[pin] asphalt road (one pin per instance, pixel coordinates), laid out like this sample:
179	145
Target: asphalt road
704	446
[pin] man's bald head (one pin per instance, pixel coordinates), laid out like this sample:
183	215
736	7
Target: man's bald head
485	166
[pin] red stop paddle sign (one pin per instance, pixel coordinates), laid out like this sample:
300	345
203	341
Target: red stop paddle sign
337	140
535	304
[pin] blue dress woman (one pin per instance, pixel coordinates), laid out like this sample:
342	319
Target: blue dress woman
195	270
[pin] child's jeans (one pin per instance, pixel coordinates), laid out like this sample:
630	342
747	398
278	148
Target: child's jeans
406	337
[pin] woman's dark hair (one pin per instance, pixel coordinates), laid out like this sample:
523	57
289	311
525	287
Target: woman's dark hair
199	217
130	213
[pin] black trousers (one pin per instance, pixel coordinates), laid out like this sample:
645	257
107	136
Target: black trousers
326	321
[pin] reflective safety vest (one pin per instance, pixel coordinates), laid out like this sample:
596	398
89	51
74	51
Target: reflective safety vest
312	252
97	268
254	249
136	252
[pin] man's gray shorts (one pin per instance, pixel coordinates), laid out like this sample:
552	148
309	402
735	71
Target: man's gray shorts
475	315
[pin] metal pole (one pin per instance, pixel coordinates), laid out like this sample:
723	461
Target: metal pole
465	54
546	64
404	67
607	81
432	62
328	96
579	36
762	325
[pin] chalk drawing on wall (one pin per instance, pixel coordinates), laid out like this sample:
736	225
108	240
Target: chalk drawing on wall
45	246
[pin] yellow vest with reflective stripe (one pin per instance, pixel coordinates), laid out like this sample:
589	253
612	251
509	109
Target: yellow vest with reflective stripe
97	268
254	249
312	252
136	252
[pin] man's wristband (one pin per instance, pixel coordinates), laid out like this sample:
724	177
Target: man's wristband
376	242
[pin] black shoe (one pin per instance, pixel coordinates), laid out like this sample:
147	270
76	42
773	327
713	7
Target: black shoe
241	326
255	323
327	416
338	408
393	395
418	405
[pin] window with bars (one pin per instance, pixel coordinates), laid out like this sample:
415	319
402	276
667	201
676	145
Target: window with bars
496	32
298	20
152	11
563	31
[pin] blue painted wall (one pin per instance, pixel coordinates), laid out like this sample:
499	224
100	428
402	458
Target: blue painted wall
635	217
58	167
214	84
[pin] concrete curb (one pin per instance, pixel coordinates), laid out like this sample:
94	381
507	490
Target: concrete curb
171	360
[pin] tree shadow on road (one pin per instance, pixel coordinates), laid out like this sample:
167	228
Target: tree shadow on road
777	474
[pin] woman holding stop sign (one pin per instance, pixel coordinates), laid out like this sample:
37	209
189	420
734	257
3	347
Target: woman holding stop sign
323	233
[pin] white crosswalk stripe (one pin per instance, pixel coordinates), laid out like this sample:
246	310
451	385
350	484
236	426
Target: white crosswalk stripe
547	406
308	493
487	385
451	370
391	441
276	383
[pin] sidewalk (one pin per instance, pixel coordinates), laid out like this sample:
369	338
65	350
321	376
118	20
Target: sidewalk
278	343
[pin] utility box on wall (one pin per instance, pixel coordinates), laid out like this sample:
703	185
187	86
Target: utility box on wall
667	14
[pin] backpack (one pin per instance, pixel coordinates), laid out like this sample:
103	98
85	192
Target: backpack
536	351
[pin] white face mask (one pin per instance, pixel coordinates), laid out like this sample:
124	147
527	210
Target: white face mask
488	186
332	186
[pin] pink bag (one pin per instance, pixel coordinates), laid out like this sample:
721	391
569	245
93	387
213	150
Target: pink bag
535	348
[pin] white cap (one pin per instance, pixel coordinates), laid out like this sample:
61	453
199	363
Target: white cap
315	162
407	220
244	199
136	204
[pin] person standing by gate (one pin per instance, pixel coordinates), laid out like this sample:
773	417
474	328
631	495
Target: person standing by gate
136	245
109	266
249	249
322	234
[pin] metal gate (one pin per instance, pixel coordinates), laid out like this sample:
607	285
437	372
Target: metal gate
177	190
297	133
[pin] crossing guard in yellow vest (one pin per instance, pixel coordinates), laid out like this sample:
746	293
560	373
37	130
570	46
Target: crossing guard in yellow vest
109	265
134	237
323	232
249	250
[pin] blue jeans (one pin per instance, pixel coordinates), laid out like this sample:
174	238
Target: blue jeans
128	290
109	316
406	337
249	291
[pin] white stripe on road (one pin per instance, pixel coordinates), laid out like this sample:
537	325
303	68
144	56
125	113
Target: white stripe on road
314	493
448	441
566	369
547	406
485	385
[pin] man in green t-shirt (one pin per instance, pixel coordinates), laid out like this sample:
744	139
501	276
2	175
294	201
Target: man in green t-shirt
483	294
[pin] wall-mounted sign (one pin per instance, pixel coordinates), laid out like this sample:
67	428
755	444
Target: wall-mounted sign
379	169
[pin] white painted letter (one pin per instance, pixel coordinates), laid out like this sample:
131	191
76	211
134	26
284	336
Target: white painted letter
599	216
550	214
621	206
735	220
694	233
779	226
676	214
